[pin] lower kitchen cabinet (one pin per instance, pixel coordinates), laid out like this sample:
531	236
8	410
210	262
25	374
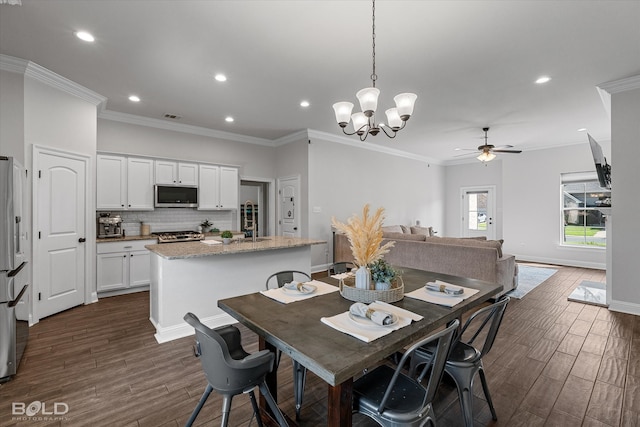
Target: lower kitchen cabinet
123	265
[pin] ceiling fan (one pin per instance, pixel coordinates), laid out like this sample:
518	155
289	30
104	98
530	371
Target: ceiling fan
487	150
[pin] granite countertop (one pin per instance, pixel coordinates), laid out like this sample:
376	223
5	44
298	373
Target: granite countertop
199	249
124	239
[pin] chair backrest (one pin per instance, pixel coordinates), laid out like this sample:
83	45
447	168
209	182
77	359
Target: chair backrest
476	326
442	341
340	267
286	276
228	368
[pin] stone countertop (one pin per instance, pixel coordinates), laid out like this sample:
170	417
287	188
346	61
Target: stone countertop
199	249
124	239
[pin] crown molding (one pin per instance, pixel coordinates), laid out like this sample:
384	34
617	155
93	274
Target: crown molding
622	85
373	147
49	78
180	127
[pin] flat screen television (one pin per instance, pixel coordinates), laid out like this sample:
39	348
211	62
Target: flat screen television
603	169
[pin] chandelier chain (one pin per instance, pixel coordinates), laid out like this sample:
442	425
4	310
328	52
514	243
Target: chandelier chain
374	76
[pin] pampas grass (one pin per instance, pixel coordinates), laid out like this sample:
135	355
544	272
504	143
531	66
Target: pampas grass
365	236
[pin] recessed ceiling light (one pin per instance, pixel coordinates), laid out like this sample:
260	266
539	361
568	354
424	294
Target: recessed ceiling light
304	103
83	35
228	119
134	98
582	130
220	77
543	79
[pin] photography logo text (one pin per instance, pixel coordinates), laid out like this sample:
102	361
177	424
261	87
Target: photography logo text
39	411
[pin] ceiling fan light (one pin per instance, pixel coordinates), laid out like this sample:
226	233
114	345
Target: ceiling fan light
368	98
360	122
486	156
405	103
343	112
393	119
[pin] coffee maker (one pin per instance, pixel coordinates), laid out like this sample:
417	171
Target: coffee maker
109	226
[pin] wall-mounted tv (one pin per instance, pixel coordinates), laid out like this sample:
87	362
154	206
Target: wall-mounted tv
603	169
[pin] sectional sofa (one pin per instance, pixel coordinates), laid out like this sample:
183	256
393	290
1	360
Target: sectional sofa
416	247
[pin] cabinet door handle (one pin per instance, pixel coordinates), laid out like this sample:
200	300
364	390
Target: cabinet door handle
131	255
124	256
82	240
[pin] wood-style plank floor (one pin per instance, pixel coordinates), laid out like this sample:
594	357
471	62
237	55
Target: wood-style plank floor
555	363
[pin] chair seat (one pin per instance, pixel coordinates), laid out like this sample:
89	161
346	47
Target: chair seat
407	398
461	354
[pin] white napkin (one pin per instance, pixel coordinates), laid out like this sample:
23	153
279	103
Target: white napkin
441	298
447	288
343	323
211	242
378	317
296	286
286	298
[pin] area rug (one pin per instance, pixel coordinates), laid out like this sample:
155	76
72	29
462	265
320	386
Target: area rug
528	278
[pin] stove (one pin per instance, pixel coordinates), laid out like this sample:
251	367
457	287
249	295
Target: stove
178	236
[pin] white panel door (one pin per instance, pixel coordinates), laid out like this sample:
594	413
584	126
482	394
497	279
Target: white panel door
61	225
289	214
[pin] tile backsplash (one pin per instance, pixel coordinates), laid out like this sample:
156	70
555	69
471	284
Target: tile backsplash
175	219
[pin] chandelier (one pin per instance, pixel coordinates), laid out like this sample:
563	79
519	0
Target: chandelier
364	122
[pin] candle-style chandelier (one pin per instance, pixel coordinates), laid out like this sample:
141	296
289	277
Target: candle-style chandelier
364	122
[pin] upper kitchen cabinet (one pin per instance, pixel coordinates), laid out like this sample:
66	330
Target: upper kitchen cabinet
218	188
169	173
124	183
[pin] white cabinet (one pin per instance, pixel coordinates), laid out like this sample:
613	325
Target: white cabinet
123	265
217	188
124	183
169	173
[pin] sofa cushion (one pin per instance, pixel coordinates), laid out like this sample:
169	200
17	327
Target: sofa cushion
393	229
403	236
496	244
426	231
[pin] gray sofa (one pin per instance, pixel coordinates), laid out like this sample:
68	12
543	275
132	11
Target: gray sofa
473	258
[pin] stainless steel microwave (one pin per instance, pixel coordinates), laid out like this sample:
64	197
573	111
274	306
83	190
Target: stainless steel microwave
174	196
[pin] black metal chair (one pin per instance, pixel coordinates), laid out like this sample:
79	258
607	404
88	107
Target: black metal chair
299	371
230	370
341	267
392	398
465	359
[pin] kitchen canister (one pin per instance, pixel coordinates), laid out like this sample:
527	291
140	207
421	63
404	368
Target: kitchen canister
145	229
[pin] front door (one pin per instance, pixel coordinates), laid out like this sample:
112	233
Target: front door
289	212
60	206
478	210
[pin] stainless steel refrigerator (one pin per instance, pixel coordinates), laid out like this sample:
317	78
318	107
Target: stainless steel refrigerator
13	333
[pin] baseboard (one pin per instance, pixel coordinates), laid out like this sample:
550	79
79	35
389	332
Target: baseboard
565	262
624	307
171	333
106	294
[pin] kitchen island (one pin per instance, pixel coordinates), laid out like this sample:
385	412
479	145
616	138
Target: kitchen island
193	276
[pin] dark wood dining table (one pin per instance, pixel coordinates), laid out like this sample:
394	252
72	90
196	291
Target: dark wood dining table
296	330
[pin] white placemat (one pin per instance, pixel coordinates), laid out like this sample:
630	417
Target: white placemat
287	297
441	298
343	323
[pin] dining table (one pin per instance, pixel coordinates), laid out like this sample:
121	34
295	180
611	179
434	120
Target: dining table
296	329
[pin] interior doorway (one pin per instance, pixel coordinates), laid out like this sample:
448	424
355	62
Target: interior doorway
258	193
478	212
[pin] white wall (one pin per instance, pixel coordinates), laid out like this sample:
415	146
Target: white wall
343	178
12	115
470	175
625	177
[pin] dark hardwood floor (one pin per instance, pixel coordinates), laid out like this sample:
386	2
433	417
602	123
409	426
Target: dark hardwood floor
555	363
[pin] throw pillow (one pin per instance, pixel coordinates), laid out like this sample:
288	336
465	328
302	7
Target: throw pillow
403	236
426	231
405	229
392	229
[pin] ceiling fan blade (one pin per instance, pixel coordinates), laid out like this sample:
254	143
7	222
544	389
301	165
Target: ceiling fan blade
501	147
465	149
507	151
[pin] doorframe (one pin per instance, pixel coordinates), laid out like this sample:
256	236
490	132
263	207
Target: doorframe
491	189
297	196
90	291
271	196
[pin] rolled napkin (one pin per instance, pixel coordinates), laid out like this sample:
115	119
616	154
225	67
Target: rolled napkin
296	286
376	316
444	287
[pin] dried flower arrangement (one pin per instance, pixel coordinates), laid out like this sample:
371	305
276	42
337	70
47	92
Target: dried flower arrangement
365	236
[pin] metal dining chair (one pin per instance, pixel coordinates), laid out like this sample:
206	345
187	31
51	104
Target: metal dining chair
392	398
340	267
230	370
465	359
299	372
